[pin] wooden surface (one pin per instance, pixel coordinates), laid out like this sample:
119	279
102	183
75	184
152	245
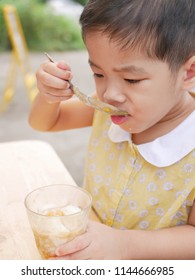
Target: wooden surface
24	166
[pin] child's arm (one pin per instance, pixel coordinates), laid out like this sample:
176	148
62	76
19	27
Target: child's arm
103	242
53	109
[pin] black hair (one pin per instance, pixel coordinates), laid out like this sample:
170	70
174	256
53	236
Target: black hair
163	29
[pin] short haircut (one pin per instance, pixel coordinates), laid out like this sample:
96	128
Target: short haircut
163	29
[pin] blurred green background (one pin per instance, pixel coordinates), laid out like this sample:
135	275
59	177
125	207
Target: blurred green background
43	28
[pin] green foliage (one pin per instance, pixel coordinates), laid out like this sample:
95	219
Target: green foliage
82	2
43	30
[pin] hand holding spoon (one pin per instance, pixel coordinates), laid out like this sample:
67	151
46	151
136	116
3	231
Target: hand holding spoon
93	102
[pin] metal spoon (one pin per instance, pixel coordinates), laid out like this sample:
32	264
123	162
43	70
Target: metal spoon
92	102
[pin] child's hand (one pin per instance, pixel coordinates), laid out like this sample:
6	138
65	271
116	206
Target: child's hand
99	242
53	81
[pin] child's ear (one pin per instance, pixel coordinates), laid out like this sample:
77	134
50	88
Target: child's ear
189	79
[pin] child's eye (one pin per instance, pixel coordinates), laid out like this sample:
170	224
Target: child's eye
132	81
96	75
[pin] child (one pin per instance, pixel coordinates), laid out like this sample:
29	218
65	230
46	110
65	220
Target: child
140	168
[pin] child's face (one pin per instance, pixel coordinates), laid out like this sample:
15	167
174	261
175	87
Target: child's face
133	82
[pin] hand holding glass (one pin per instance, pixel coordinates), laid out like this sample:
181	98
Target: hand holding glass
57	214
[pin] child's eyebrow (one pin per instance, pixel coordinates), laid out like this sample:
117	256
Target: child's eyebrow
130	68
123	68
91	63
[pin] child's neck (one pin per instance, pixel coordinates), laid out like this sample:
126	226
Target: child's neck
167	124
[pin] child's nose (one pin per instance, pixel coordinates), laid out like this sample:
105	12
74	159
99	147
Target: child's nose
113	94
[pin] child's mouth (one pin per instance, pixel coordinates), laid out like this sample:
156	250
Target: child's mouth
119	119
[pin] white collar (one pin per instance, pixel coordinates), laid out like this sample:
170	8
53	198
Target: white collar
165	150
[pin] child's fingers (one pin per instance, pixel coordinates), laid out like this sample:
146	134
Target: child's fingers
62	65
49	80
73	246
53	95
53	81
54	91
66	68
60	70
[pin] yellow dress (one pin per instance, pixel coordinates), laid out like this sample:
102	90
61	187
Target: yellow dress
149	186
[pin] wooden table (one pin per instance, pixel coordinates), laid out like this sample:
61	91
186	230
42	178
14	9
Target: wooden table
24	166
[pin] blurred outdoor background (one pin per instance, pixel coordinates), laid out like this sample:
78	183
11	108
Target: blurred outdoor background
49	26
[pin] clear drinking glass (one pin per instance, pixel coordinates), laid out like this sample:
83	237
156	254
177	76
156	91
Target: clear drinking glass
57	214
